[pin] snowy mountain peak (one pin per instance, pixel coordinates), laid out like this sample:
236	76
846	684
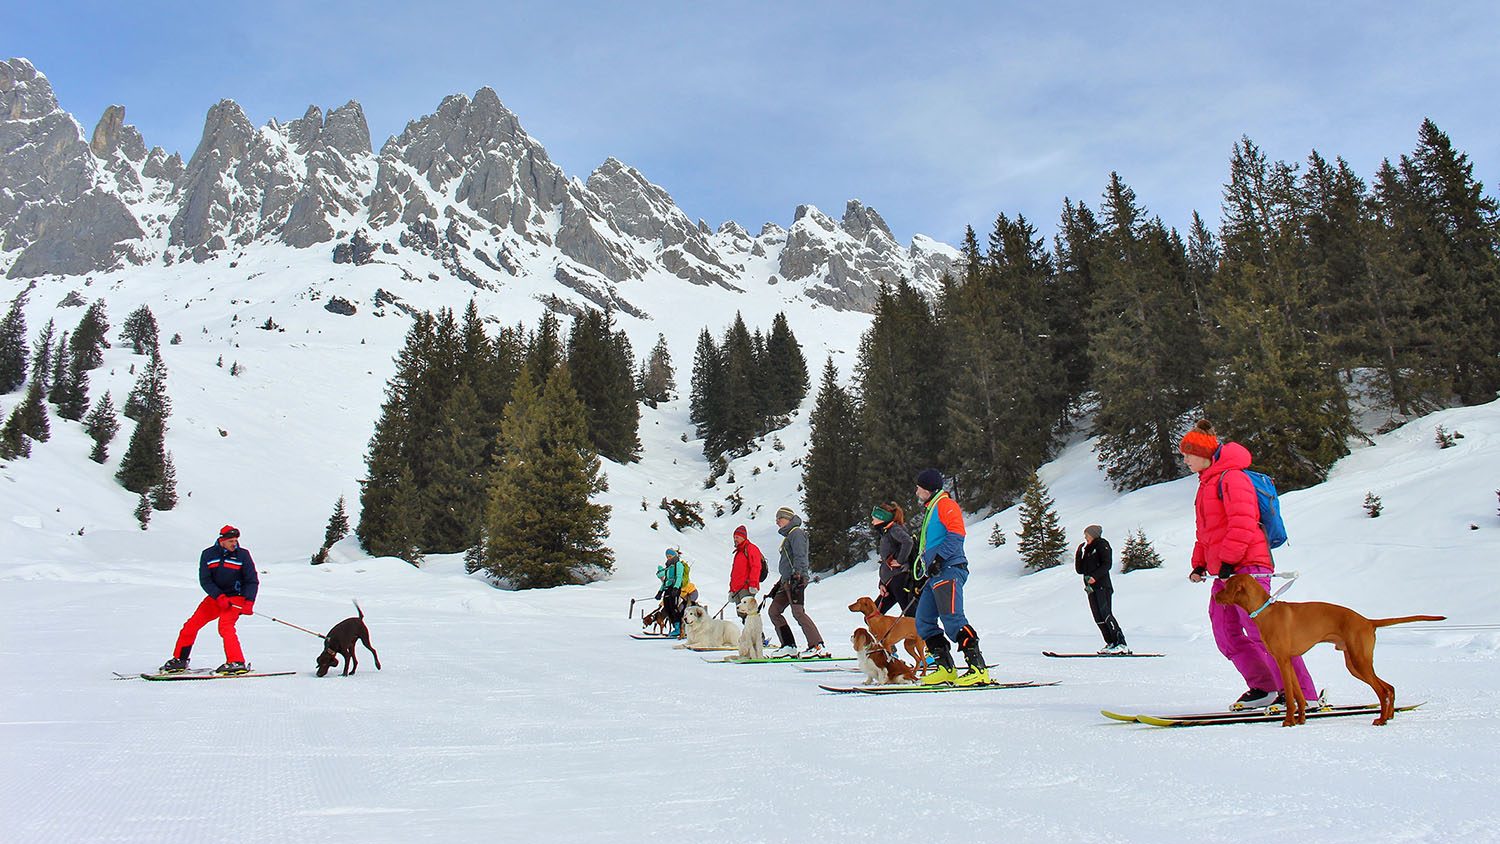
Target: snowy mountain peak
25	93
465	184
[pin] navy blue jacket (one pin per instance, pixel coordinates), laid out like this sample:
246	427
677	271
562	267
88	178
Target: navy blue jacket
229	573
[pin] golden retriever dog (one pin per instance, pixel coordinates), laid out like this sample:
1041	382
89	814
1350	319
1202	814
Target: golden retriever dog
753	637
879	666
704	631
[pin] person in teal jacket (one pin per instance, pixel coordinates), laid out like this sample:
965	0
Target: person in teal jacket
672	574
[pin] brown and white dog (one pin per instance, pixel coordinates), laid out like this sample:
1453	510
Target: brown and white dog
655	622
879	666
752	638
891	629
704	631
1290	629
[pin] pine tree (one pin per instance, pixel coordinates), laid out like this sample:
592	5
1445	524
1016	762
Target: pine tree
33	413
1138	553
897	415
382	530
70	383
1006	395
453	500
705	404
1148	354
831	494
144	463
14	442
13	356
91	337
101	426
338	525
541	527
1447	240
164	493
143	509
338	528
786	368
140	331
149	394
1043	541
1276	390
1077	246
658	379
599	365
41	356
544	351
745	394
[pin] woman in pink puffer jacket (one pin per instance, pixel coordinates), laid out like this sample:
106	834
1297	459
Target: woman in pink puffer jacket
1231	541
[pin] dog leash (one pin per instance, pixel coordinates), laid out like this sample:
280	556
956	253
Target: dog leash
289	624
1291	578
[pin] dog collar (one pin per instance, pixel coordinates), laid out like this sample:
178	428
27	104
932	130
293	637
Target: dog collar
1262	609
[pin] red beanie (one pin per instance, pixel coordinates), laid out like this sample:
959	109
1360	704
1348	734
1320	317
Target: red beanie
1200	440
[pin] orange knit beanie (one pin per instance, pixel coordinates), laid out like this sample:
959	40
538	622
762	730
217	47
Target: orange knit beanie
1200	440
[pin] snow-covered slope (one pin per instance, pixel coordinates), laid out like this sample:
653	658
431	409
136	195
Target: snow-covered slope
525	716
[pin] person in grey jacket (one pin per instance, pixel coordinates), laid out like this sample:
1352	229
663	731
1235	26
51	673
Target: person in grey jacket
793	570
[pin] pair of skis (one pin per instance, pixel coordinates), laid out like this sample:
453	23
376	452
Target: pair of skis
1095	654
914	688
200	674
1250	716
778	660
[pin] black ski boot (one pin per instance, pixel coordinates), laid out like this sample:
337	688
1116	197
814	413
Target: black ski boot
175	665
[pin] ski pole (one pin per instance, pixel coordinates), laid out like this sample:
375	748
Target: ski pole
720	613
631	613
289	624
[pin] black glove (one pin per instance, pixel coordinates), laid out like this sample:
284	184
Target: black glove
1226	571
1200	571
799	579
660	593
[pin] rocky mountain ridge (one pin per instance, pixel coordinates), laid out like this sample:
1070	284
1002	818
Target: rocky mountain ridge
465	184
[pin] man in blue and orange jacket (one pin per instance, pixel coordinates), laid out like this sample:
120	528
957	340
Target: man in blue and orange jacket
227	574
940	553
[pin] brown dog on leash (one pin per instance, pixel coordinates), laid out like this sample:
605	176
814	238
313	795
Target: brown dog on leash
1290	629
340	643
892	629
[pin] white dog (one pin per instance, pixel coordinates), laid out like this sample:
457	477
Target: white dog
752	638
706	632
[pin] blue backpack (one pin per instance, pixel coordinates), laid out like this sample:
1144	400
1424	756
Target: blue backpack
1270	507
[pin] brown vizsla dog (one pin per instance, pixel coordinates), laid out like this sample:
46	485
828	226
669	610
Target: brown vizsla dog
1290	629
892	629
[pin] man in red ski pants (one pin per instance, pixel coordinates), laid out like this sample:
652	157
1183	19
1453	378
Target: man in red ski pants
227	574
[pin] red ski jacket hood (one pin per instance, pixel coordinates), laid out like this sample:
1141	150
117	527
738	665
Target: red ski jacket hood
1228	526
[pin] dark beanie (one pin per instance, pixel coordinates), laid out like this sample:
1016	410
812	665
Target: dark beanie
930	480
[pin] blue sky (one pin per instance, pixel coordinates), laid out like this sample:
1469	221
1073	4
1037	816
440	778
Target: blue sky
743	111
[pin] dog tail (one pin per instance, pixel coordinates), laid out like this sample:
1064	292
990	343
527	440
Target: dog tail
361	612
1387	622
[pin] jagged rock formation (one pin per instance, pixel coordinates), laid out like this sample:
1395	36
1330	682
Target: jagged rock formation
57	208
465	187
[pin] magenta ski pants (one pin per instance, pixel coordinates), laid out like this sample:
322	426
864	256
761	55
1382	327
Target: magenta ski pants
1239	641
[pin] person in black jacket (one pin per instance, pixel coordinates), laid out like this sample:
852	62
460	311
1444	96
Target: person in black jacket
1092	560
227	574
888	522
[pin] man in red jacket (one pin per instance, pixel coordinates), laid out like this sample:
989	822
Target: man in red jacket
745	573
1229	541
